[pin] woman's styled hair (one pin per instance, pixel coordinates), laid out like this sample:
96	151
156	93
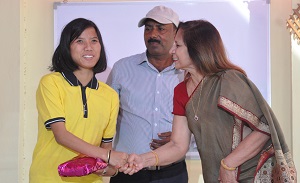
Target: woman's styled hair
205	47
62	60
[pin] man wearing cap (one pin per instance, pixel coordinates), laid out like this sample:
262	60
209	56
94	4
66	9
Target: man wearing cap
145	83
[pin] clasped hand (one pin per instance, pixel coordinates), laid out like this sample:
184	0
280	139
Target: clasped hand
134	164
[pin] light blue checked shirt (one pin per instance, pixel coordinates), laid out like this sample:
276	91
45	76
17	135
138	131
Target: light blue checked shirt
146	101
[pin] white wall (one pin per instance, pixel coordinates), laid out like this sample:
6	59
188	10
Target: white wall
296	98
10	89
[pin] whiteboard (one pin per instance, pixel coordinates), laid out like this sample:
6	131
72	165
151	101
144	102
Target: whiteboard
243	25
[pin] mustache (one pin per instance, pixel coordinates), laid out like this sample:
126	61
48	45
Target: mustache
153	40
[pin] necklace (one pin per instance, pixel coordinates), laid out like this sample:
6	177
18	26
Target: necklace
196	118
88	96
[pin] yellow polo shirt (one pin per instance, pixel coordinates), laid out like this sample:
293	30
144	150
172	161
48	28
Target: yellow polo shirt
60	97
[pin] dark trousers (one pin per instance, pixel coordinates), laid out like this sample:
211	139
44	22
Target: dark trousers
176	173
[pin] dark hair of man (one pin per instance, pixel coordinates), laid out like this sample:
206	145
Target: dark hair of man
62	60
205	47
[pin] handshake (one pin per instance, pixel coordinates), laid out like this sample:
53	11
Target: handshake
132	163
127	163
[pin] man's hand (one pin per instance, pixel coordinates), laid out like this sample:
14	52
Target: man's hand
164	138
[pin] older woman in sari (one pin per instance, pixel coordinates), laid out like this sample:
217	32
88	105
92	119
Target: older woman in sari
237	135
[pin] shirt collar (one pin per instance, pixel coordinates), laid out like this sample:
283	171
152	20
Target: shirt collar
72	80
144	59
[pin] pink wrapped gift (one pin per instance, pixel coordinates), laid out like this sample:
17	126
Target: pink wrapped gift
80	166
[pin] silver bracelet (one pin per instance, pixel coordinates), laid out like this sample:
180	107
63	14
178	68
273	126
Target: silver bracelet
115	173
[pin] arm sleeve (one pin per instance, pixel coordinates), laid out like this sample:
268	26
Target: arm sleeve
111	127
240	97
180	99
49	102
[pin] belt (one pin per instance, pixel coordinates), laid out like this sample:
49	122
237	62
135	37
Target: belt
161	167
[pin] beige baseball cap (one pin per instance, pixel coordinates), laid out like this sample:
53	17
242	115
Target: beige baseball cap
161	14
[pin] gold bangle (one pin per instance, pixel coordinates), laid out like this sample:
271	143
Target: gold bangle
226	167
156	157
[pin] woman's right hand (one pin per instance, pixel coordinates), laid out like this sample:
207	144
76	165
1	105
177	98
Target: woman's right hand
118	159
